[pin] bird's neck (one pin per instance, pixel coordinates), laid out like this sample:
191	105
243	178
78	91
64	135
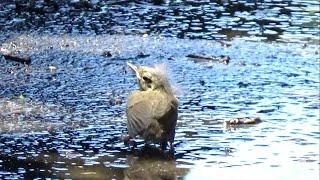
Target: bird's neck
166	88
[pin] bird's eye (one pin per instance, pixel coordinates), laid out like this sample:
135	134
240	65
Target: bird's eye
146	79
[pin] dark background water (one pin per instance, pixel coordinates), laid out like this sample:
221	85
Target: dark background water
215	19
62	116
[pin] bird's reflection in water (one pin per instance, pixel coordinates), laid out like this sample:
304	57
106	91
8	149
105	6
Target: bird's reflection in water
152	163
153	152
148	162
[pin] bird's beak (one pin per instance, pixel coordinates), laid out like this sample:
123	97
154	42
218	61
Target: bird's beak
134	68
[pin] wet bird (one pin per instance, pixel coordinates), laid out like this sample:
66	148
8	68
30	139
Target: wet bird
152	110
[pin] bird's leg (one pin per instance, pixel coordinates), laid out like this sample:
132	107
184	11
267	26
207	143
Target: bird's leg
163	145
133	144
146	143
171	146
171	150
128	141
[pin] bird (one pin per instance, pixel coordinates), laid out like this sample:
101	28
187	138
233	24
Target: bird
152	111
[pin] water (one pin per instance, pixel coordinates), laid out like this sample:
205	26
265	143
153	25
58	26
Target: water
285	20
62	116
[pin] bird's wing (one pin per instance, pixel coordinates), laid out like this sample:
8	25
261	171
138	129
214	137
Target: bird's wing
145	109
163	105
139	113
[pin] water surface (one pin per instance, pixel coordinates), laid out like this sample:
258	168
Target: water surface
63	115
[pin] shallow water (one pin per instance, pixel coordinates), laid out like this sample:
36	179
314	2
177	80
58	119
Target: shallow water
62	116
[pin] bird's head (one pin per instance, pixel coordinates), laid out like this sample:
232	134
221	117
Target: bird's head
151	78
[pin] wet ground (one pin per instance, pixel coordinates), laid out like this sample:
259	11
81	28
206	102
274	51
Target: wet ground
62	116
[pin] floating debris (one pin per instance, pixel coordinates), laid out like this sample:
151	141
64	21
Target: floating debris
220	59
142	55
52	68
245	120
17	58
106	54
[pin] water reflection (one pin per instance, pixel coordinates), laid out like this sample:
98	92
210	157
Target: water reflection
153	164
146	163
